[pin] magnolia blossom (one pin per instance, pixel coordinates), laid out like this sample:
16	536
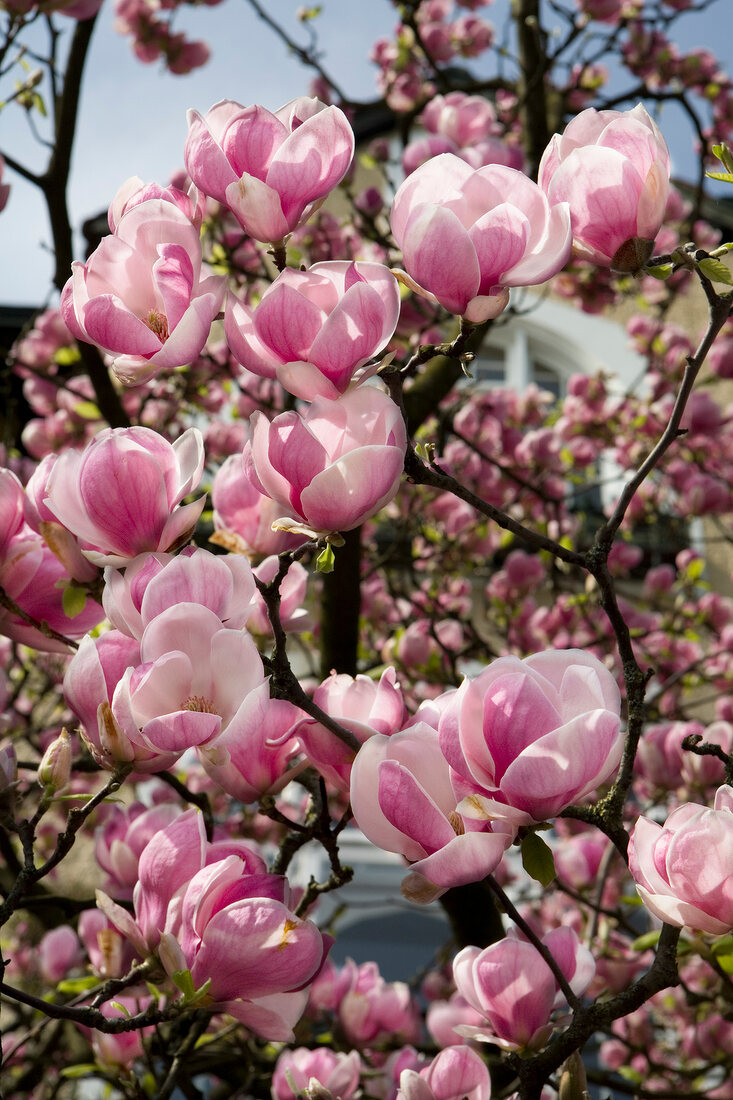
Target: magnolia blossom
141	295
527	738
456	1073
151	583
213	910
33	576
338	1073
683	870
360	704
403	801
612	167
336	465
122	494
513	988
243	517
134	191
467	236
271	170
314	329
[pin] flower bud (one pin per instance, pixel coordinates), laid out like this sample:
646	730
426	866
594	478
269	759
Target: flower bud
8	766
55	767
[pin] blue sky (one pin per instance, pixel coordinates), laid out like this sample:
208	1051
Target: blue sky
133	116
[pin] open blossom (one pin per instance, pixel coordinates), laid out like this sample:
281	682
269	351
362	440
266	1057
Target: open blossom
683	870
527	738
184	680
212	909
467	236
336	465
360	704
141	295
271	170
339	1073
456	1073
515	991
33	577
122	494
612	167
403	801
151	583
314	329
243	517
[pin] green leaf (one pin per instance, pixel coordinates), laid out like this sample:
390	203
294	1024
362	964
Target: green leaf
326	560
537	859
659	271
695	569
66	356
82	1069
184	981
39	104
121	1008
724	177
724	155
726	962
73	601
77	985
716	271
649	939
87	410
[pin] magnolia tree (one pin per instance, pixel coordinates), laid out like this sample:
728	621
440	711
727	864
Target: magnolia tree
398	607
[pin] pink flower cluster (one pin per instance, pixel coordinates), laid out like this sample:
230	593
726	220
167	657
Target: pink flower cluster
211	909
516	745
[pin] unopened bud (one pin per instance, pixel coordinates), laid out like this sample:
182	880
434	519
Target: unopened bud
55	767
8	766
573	1082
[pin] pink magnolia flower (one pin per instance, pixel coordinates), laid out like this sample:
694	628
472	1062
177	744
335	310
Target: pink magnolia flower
294	618
513	988
372	1010
141	296
338	1073
252	757
119	1051
212	909
467	236
243	517
314	329
34	578
363	706
271	170
336	465
456	1073
527	738
443	1017
193	681
612	167
683	870
122	494
58	952
404	802
152	583
120	841
134	191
